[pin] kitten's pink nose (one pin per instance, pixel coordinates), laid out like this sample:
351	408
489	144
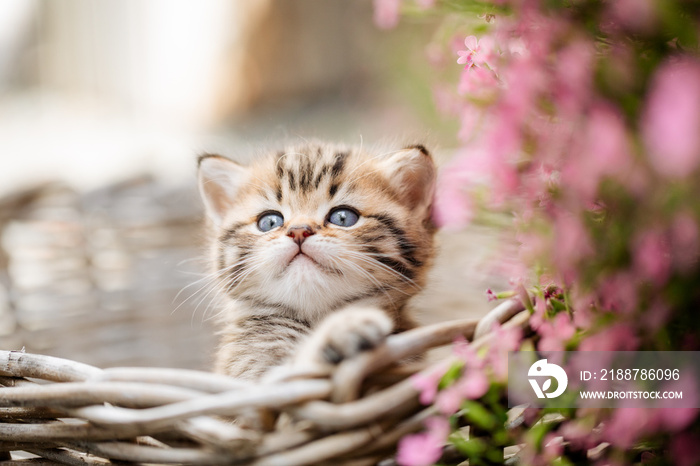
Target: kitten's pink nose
299	233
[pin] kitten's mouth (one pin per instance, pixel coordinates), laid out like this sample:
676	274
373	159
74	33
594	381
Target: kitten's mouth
301	256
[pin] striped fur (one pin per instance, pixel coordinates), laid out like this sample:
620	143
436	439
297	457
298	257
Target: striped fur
278	299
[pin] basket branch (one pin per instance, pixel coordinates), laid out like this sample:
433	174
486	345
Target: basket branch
170	416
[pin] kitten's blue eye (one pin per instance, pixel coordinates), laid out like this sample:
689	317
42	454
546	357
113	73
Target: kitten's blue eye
343	217
270	221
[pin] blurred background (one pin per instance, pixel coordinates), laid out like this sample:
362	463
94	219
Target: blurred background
104	105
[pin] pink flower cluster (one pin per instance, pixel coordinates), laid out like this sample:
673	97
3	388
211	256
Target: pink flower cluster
425	448
592	138
632	421
477	373
672	118
523	153
540	137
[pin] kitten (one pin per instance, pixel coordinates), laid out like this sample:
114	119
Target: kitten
317	250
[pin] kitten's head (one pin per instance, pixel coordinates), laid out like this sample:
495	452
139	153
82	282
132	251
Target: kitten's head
314	227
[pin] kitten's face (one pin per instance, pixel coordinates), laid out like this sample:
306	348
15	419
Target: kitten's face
317	227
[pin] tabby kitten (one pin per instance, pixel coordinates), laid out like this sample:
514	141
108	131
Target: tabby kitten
317	250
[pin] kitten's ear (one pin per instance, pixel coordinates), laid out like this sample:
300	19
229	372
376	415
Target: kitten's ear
412	174
220	179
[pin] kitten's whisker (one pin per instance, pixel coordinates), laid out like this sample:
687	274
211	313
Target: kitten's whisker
238	278
194	311
231	279
203	287
200	302
387	285
211	283
214	316
366	257
221	273
186	261
380	286
211	276
211	286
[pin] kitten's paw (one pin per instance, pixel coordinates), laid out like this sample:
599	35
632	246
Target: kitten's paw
344	334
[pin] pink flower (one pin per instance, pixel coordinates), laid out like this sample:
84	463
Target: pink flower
607	144
619	292
465	56
449	400
503	143
578	433
628	424
532	246
672	117
676	419
685	449
473	384
490	295
618	337
453	205
438	427
572	241
424	449
656	315
652	256
478	83
478	52
583	315
574	72
386	13
553	446
465	353
504	340
538	317
685	241
556	333
605	151
636	15
470	119
419	450
525	79
427	383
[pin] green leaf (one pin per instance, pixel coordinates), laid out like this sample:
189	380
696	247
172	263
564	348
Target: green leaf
537	434
479	415
472	448
452	374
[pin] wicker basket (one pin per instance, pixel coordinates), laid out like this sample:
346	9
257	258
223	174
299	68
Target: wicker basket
73	413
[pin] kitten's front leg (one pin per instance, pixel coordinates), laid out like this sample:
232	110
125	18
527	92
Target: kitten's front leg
342	335
253	345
